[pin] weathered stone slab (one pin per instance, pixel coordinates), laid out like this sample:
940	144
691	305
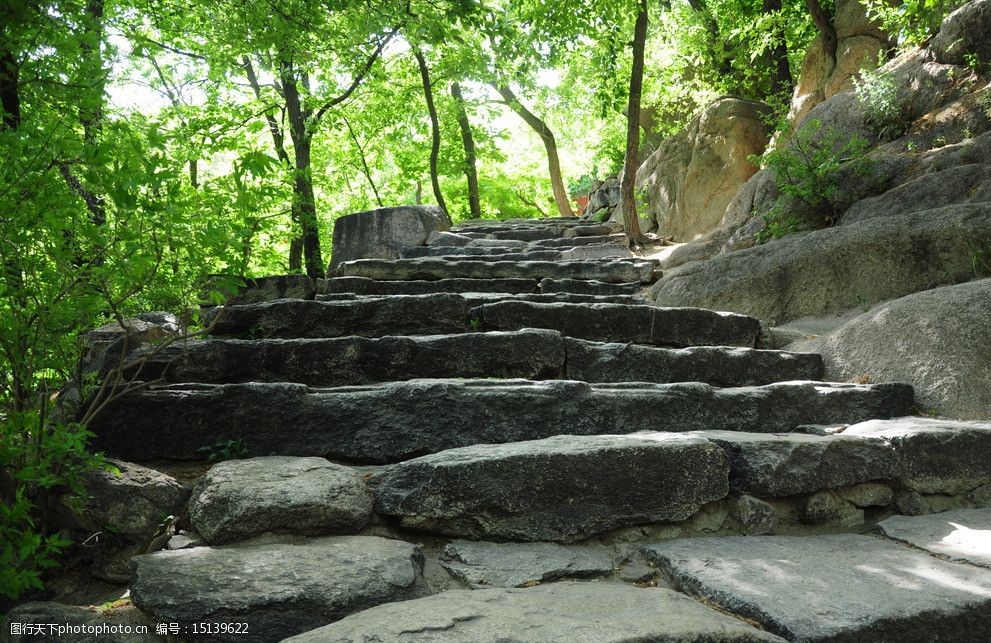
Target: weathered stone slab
275	287
484	564
778	465
384	232
554	489
366	286
431	268
400	315
343	361
619	323
277	588
937	456
474	254
589	287
834	587
238	499
555	613
718	365
398	420
959	534
478	298
571	242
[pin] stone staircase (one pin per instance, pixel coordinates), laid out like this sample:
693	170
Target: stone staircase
479	425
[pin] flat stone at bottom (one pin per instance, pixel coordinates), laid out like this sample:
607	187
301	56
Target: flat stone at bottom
554	613
961	534
834	587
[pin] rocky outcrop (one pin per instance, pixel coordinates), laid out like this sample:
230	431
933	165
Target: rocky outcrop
383	233
238	499
938	340
692	176
963	37
837	269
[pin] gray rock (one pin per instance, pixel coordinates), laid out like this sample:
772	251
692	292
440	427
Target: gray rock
399	315
619	323
936	456
779	465
576	242
184	540
554	489
447	239
464	254
716	365
960	184
384	232
755	516
938	340
239	499
555	613
867	494
431	268
366	286
132	504
589	287
833	587
837	269
483	564
277	588
79	624
341	361
276	287
960	534
363	423
964	33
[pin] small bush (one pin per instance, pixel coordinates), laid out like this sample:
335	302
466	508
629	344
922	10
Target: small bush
877	91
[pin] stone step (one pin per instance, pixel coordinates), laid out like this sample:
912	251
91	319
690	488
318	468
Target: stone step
278	587
554	613
578	253
563	488
567	242
479	298
452	313
366	286
529	354
543	221
394	421
621	323
431	268
843	587
962	535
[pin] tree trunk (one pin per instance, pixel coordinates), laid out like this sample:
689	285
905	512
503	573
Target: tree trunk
471	173
91	109
719	61
825	25
550	144
627	197
303	177
10	97
428	94
782	82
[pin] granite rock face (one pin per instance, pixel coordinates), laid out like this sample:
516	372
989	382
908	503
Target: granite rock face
384	232
556	613
238	499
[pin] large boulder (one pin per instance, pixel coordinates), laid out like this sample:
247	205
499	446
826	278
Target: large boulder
238	499
384	232
837	269
963	36
692	176
939	340
555	613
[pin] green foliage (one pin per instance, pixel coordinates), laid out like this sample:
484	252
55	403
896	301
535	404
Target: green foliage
228	450
913	22
806	172
878	92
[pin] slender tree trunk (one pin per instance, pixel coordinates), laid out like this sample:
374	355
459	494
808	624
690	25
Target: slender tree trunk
419	192
627	197
550	145
825	25
91	109
428	94
364	162
194	174
10	97
471	172
303	177
468	141
781	78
